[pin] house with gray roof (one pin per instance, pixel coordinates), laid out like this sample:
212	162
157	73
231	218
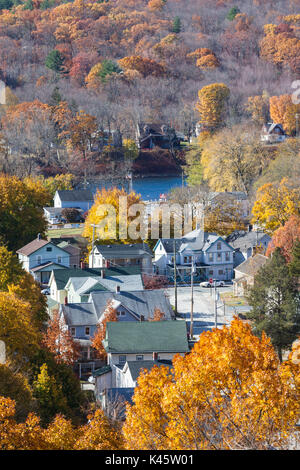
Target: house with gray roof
76	198
246	243
59	280
211	255
245	273
132	307
273	133
79	288
136	254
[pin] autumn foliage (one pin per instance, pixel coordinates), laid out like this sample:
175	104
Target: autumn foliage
230	392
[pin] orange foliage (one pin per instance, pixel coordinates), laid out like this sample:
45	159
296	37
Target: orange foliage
285	237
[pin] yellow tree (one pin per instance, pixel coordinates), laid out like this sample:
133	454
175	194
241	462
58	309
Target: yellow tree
211	105
275	204
230	392
99	434
283	111
111	212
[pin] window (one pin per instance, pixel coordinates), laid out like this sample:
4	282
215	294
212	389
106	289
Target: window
121	313
219	246
139	357
210	256
59	259
49	248
73	331
87	330
227	256
122	359
211	273
220	272
219	256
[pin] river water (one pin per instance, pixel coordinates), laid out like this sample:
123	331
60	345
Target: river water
150	188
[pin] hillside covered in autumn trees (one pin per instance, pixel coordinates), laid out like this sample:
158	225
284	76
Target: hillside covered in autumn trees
75	69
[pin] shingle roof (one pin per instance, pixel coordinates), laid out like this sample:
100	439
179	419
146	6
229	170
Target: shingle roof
143	337
120	250
139	302
135	367
252	265
62	276
240	239
32	246
76	195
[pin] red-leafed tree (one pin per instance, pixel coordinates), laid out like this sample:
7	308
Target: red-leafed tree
285	237
110	314
60	342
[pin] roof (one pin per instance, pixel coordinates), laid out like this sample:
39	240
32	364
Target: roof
143	337
135	367
62	276
252	265
47	264
121	250
138	303
103	370
197	240
33	246
240	239
75	195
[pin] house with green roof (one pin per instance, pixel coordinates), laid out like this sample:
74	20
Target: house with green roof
134	347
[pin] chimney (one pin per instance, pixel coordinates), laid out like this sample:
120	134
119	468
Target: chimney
39	236
117	289
102	273
142	318
106	263
155	356
66	300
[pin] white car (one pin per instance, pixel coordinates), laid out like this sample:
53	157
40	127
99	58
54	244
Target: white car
45	291
215	283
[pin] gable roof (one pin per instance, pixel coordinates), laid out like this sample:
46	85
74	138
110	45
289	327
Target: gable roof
122	250
75	195
143	337
138	303
240	239
197	240
33	246
252	265
61	278
136	367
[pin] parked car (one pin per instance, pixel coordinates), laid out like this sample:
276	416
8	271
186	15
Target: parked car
215	283
46	291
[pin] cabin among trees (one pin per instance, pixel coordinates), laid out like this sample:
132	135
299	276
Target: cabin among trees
149	136
273	133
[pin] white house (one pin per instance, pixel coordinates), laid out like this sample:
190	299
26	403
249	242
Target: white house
246	243
210	254
79	199
40	257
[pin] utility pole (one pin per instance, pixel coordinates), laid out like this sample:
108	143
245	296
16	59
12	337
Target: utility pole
192	300
93	243
297	124
175	277
216	307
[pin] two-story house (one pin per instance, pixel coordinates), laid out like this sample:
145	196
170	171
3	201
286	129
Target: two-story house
132	347
136	254
209	254
247	243
82	318
41	257
77	198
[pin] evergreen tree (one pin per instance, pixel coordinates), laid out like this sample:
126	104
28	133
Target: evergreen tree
108	67
295	262
28	5
274	301
232	13
176	28
55	61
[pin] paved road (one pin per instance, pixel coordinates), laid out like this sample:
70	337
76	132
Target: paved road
204	308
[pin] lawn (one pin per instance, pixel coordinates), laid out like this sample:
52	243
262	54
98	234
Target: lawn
233	301
64	232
